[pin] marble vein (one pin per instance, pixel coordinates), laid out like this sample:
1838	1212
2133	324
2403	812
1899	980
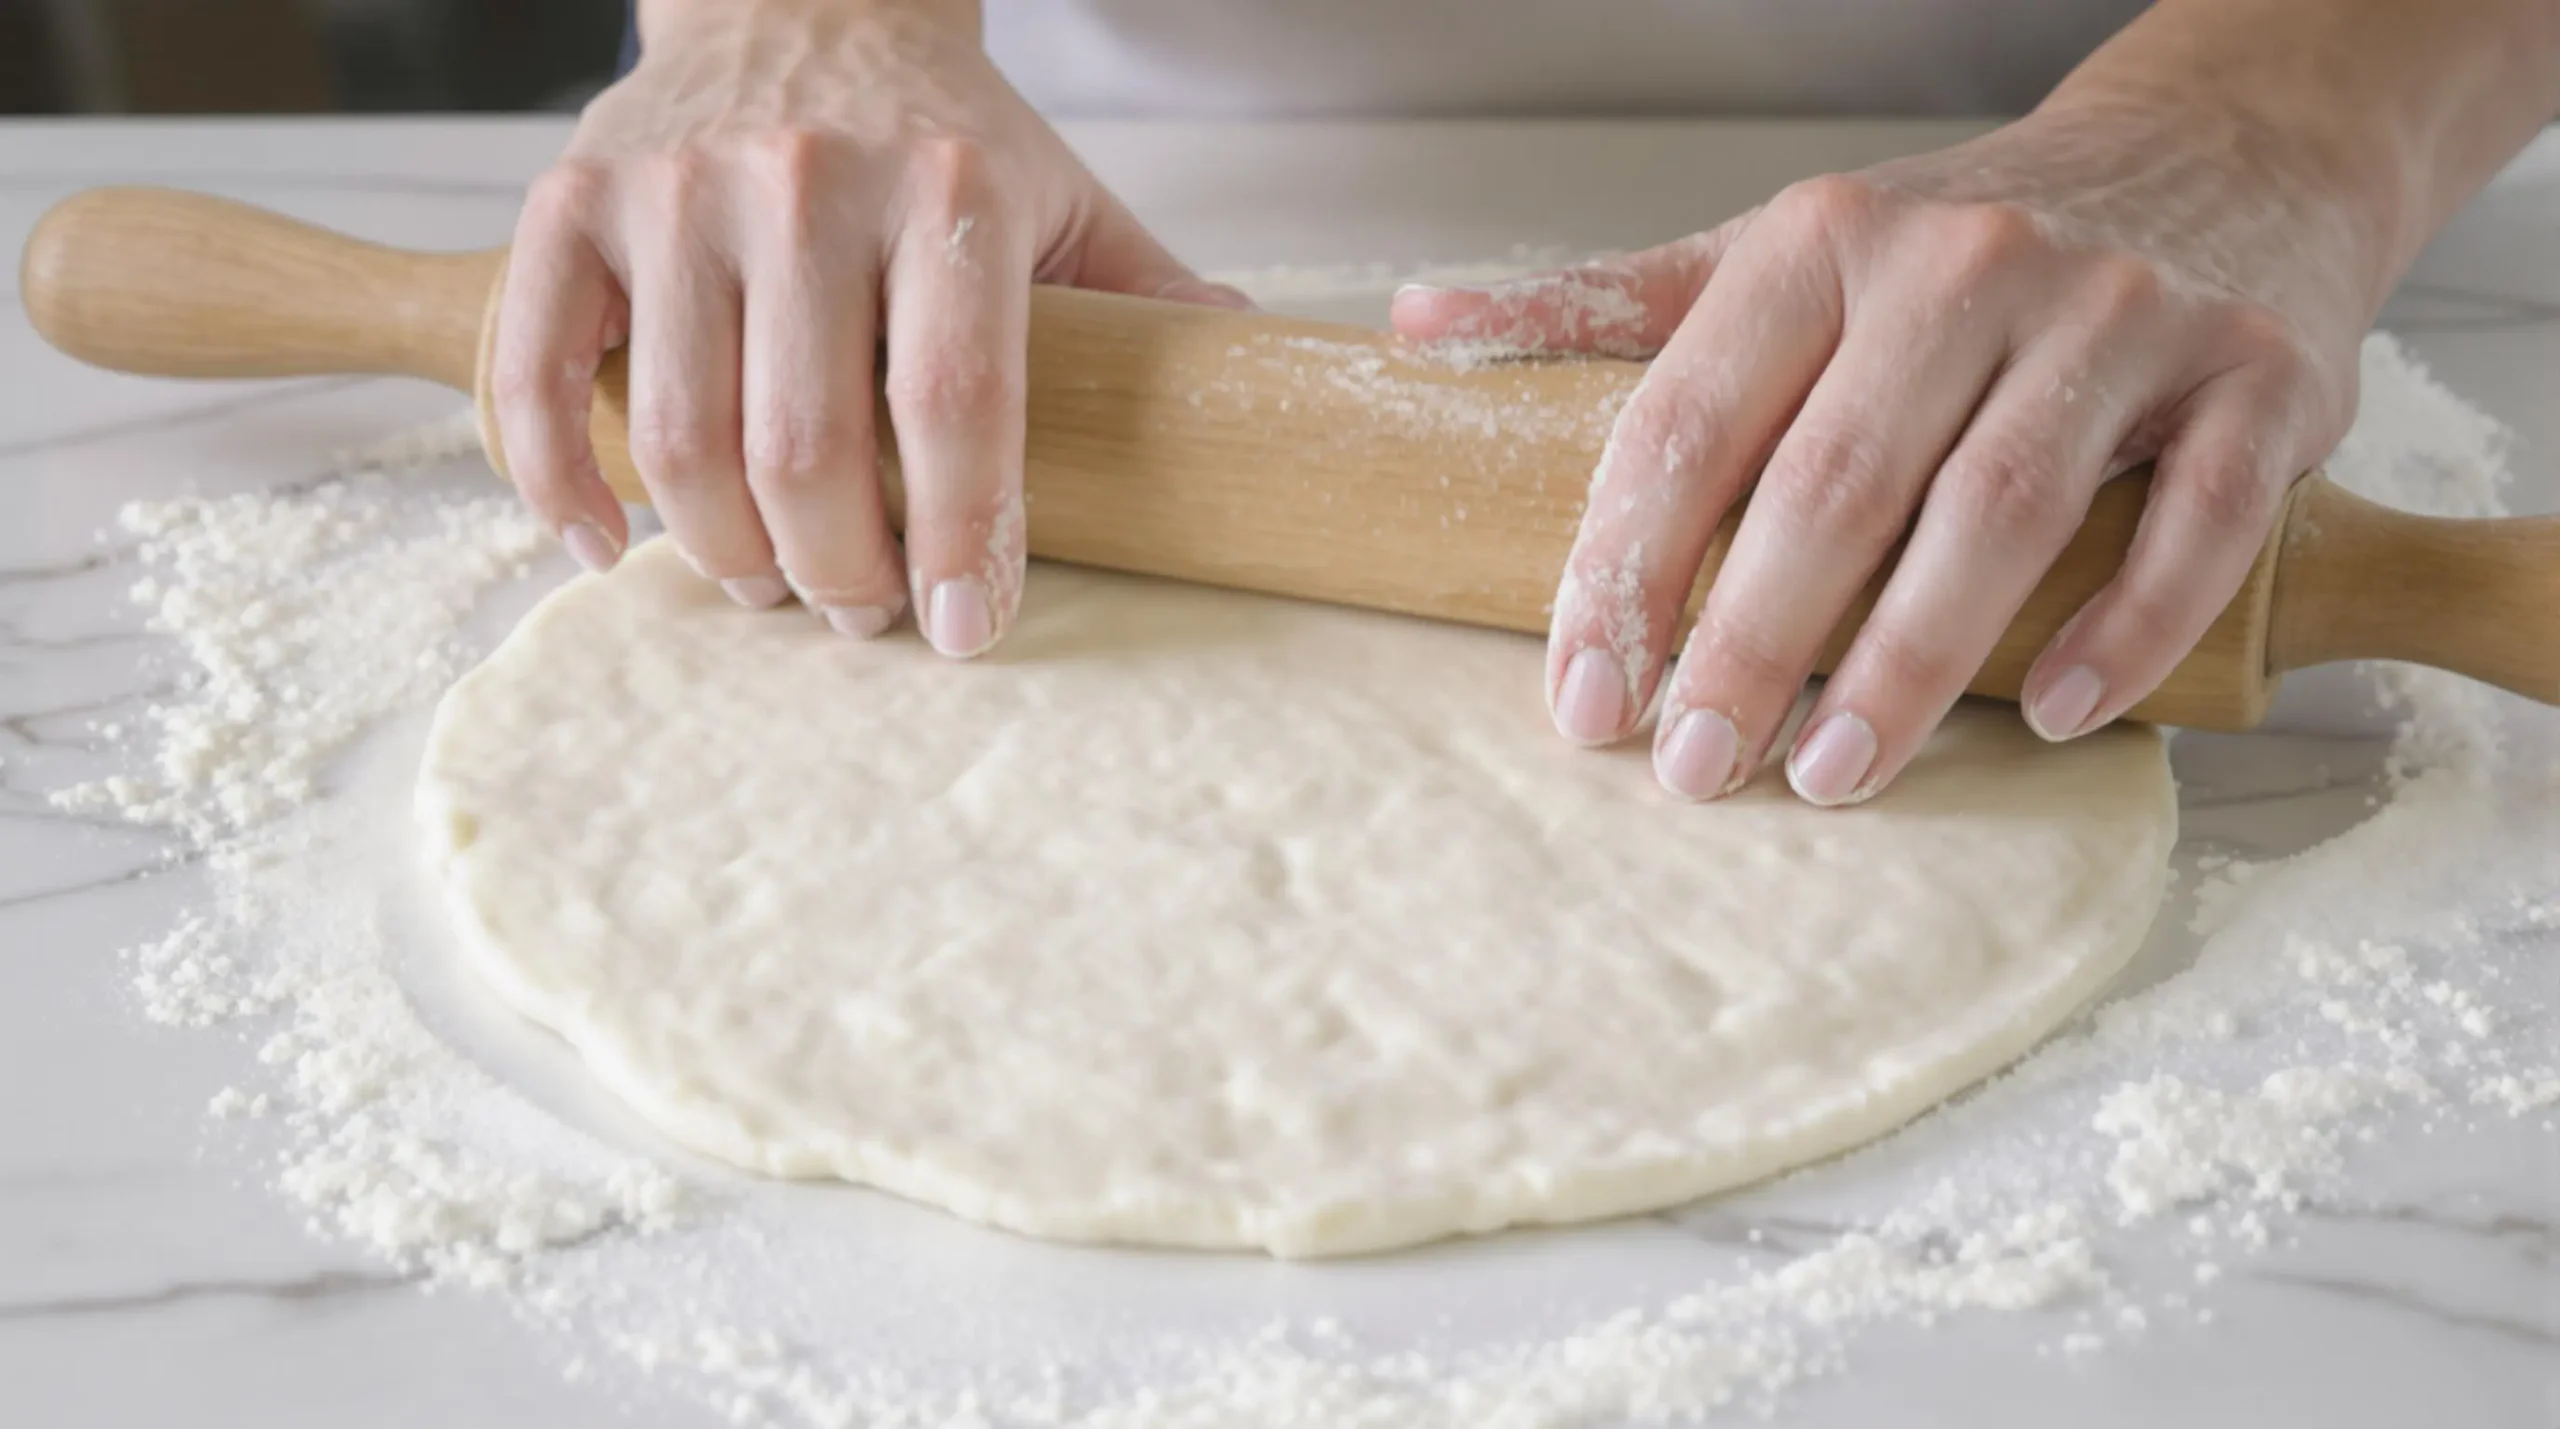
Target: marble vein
160	863
48	1180
234	180
18	642
188	416
2400	1297
28	726
94	561
326	1285
2373	1298
2537	1236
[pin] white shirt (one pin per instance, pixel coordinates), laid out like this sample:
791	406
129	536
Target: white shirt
1380	58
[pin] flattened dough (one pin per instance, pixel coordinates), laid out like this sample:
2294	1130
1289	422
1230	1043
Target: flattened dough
1201	919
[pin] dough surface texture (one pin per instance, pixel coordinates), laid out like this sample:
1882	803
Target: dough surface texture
1201	919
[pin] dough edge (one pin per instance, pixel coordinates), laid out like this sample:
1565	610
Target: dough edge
1588	1193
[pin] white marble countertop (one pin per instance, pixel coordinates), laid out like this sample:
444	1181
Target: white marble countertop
149	1277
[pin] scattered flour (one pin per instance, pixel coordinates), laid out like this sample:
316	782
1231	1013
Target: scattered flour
2330	992
304	621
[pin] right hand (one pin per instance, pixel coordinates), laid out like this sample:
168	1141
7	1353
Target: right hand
780	190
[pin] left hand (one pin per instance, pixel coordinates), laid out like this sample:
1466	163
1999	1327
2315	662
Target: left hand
1961	346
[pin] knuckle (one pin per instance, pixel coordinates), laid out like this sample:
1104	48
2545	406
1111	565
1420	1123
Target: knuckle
784	169
526	380
2152	615
2228	497
1821	207
788	157
518	382
1836	480
953	385
1742	654
2269	343
792	451
1662	430
2124	289
2260	332
952	172
676	179
565	194
2007	488
1907	663
1979	241
679	448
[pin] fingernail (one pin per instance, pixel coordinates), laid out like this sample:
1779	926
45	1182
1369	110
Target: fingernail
589	546
1827	766
860	621
757	592
2065	703
1591	703
958	619
1696	754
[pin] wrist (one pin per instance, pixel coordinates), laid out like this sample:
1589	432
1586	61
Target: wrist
660	19
2328	172
2384	114
2343	176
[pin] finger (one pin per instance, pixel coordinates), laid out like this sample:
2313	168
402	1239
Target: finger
2242	440
685	437
1692	435
1620	307
958	290
559	312
1837	494
2000	509
1119	255
812	453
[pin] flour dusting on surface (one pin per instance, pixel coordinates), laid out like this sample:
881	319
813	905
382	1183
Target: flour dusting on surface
2394	979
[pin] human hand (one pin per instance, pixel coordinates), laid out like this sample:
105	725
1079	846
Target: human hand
1963	347
779	192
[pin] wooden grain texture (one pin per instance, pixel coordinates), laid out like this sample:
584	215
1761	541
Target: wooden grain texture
1303	459
2359	581
180	284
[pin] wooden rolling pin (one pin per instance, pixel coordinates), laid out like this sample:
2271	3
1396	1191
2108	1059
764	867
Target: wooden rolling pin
1304	459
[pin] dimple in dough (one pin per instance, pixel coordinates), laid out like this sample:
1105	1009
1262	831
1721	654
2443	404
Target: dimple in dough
1201	919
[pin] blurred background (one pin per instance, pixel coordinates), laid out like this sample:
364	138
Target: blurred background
303	56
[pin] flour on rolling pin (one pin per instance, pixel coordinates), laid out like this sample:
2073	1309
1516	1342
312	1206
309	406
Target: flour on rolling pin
2380	971
1390	387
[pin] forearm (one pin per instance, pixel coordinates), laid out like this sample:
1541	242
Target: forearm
657	15
2402	109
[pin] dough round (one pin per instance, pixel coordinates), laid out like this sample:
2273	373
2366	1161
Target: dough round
1201	919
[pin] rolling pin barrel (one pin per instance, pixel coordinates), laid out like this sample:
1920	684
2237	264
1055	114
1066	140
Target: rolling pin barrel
1301	459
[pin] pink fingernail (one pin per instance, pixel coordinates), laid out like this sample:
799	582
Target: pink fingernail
1827	766
2062	708
860	621
1591	700
958	619
757	592
589	546
1695	756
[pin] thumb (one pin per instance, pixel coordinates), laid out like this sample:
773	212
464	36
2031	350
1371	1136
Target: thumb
1626	306
1118	255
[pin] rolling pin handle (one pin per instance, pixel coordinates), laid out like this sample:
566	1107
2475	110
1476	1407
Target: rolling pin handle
176	284
2361	581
